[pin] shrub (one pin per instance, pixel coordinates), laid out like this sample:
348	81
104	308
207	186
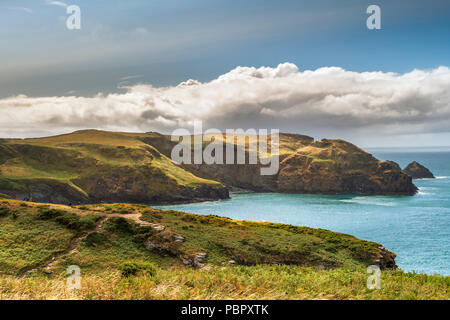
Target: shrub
4	211
131	268
143	233
189	218
121	209
119	224
68	219
47	214
95	238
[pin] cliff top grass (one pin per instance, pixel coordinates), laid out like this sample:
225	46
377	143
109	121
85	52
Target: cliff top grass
274	261
30	234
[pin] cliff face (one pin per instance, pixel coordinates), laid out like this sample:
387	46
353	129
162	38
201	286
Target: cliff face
338	167
326	167
94	166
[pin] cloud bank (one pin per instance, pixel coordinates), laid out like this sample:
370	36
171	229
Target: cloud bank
327	101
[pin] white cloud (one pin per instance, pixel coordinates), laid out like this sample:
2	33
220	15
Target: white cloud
327	101
57	3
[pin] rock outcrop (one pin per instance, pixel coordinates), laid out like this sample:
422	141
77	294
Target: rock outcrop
418	171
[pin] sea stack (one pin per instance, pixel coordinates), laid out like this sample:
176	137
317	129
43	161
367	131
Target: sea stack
418	171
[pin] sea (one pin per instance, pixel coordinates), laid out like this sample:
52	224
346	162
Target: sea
416	228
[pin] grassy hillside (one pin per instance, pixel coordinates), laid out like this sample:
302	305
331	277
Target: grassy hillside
135	252
94	166
114	233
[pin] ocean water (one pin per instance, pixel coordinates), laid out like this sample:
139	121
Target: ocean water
416	228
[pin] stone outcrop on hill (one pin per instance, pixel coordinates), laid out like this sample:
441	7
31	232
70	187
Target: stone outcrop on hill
418	171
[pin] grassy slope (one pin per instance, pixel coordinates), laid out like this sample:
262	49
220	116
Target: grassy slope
28	240
67	157
87	147
80	154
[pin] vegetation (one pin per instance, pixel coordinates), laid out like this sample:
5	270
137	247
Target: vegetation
151	254
232	282
69	219
131	268
27	241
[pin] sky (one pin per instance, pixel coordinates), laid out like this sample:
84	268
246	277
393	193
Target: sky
311	67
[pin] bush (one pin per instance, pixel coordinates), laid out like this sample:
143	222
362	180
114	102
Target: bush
94	239
47	214
68	219
122	210
189	218
143	233
119	224
131	268
4	211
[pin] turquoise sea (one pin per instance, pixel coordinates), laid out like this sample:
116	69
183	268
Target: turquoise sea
416	228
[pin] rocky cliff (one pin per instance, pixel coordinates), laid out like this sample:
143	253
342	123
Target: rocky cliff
308	166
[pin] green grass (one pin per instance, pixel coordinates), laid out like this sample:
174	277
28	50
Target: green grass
26	241
108	251
253	243
273	261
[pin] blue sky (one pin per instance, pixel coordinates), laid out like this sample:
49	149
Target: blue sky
121	71
164	42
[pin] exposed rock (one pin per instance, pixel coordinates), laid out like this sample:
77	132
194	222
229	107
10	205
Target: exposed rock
385	259
178	238
157	226
199	258
161	248
196	261
418	171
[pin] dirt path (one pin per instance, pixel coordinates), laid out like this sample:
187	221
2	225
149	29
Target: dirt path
73	246
48	266
136	217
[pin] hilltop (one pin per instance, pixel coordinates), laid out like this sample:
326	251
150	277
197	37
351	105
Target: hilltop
92	166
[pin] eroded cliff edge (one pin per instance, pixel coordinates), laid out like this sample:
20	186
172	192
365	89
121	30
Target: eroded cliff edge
322	167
